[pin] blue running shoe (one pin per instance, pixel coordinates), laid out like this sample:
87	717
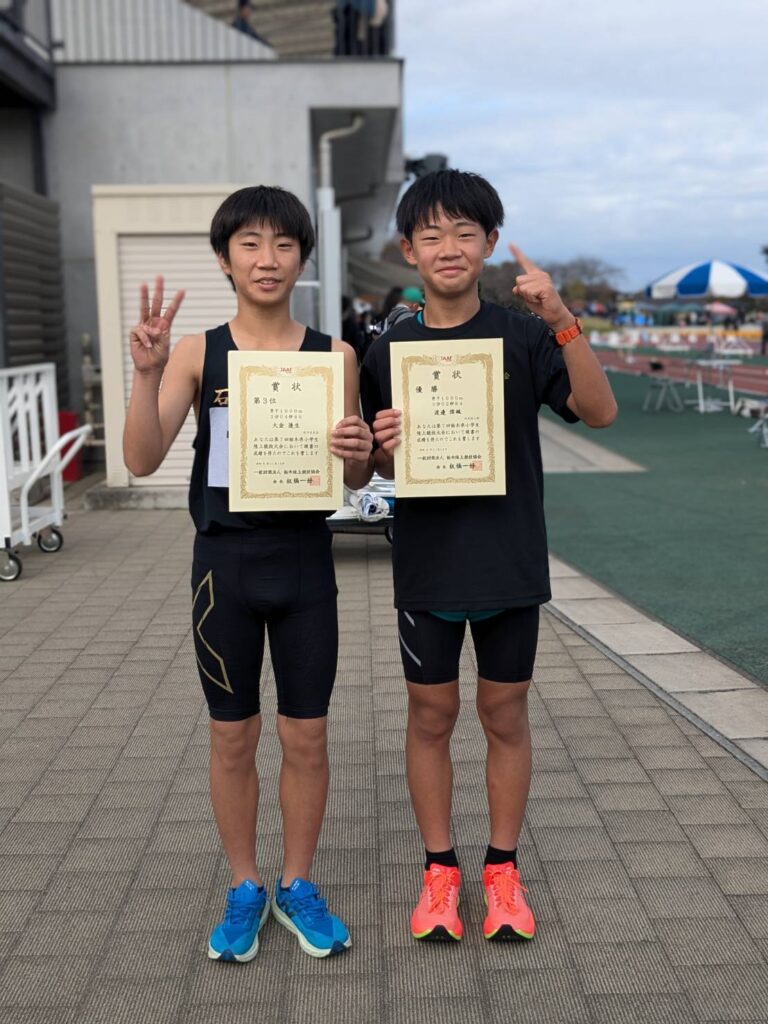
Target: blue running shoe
237	937
303	911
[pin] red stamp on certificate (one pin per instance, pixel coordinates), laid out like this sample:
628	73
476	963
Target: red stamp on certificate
314	480
477	465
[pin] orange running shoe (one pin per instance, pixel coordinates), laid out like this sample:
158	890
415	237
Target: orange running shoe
509	916
435	917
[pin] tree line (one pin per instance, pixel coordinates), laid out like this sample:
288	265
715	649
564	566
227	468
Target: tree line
580	280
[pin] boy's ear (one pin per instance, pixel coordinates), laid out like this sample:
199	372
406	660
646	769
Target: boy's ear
224	264
490	243
406	248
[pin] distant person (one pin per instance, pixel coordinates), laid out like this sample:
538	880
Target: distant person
399	304
764	335
378	29
347	18
410	298
391	299
242	22
413	298
361	28
351	331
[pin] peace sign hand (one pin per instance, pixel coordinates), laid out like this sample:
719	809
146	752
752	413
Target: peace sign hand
534	286
150	339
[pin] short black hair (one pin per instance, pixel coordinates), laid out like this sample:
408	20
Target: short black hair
266	204
457	193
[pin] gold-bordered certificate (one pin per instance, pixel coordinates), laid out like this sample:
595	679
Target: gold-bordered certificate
282	409
452	399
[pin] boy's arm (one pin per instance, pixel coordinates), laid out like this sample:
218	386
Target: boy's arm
159	405
351	439
591	397
163	389
386	430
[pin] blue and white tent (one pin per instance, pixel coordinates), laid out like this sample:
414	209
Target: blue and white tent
714	278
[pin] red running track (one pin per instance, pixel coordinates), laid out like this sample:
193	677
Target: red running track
748	379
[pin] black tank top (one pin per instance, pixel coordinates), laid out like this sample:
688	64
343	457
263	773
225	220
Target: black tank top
209	506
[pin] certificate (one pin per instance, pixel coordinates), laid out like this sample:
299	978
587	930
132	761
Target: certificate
451	395
282	409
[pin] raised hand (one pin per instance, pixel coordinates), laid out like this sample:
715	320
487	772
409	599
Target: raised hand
150	339
352	439
534	286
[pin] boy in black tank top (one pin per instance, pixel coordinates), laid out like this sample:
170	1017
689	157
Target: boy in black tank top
253	573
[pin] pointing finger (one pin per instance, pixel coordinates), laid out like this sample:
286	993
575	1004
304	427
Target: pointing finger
157	297
519	256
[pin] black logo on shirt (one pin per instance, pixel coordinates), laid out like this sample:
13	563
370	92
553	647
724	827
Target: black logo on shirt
220	396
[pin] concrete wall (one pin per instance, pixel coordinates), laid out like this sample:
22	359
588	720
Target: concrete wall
186	124
17	147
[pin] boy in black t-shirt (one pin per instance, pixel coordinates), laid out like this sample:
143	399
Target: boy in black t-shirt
476	559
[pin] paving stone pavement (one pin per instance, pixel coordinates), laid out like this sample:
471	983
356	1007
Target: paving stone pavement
645	846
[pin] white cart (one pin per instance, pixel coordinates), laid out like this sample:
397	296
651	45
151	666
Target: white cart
30	450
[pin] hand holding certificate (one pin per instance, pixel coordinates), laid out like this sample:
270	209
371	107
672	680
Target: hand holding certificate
452	401
283	407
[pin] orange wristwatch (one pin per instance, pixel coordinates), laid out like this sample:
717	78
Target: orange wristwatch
563	337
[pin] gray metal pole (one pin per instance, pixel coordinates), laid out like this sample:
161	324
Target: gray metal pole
329	229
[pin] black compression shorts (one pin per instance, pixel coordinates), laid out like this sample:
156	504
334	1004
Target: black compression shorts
505	646
281	580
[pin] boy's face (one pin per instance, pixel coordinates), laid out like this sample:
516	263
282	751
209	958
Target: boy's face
263	264
449	254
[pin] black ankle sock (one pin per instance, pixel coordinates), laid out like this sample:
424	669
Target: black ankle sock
447	858
494	856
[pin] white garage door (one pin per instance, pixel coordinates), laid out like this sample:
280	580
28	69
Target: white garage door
185	261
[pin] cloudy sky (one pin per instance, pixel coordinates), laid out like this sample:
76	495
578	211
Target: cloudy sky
632	130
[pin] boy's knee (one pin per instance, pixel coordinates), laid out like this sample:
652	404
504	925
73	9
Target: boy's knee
431	720
304	740
234	743
504	712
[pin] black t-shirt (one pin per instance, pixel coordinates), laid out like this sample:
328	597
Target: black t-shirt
467	554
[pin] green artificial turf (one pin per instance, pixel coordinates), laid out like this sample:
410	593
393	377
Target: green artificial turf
687	540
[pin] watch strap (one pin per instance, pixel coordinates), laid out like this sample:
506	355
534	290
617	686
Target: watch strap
563	337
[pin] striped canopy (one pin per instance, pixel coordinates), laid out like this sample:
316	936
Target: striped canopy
714	278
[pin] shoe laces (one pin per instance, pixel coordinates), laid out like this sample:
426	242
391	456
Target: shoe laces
239	912
506	886
312	906
440	888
